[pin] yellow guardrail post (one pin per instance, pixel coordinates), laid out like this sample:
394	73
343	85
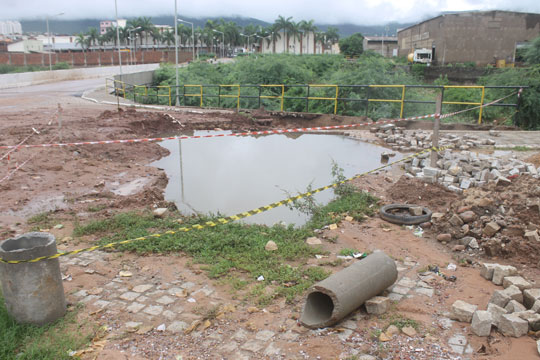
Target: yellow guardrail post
282	95
481	103
335	105
201	95
402	101
238	101
169	96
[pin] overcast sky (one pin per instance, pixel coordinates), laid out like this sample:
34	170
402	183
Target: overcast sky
360	12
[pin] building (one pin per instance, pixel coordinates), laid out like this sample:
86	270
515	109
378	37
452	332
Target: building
26	46
106	24
387	46
482	37
10	28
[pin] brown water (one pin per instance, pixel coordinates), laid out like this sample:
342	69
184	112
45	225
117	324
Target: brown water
230	175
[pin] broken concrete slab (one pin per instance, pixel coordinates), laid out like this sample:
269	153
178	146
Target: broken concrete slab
517	281
502	271
512	325
496	312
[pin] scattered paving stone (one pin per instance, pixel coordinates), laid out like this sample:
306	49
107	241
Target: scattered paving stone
90	298
345	334
457	343
313	241
445	323
406	282
513	306
169	314
499	298
377	305
229	347
424	291
502	271
392	330
491	228
409	331
81	293
102	304
289	335
153	310
532	318
512	325
206	290
536	306
135	307
187	285
395	297
530	296
129	296
496	313
132	324
349	324
532	236
142	288
514	293
400	290
165	300
178	327
271	349
264	335
518	281
240	335
481	323
252	345
463	311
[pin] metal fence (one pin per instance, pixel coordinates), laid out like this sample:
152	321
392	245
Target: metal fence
334	94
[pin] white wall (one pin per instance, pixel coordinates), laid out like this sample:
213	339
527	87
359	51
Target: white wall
39	77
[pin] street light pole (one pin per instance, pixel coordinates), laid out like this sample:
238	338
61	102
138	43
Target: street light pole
176	49
132	56
118	38
222	42
49	39
192	38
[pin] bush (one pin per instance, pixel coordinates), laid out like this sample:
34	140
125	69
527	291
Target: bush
352	45
528	114
61	66
532	54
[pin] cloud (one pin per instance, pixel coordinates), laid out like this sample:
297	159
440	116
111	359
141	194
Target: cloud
362	12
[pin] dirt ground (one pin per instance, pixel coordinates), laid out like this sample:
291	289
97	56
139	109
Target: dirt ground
88	182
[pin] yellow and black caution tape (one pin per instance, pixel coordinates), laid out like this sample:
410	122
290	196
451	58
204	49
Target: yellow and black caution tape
224	220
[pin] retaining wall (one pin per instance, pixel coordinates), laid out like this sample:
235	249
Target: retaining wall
39	77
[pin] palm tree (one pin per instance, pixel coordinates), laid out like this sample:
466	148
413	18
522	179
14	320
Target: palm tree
294	31
284	24
308	27
156	36
168	38
146	26
93	35
332	35
81	40
111	34
320	38
275	35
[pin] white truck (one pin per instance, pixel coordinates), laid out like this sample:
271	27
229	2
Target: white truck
421	56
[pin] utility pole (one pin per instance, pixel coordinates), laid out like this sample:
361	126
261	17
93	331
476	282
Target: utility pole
176	50
118	38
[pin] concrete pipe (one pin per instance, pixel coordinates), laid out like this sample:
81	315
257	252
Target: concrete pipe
332	299
33	292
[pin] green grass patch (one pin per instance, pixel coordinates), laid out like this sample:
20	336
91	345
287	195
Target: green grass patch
348	252
400	322
52	341
236	250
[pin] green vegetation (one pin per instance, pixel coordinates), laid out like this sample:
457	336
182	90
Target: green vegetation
52	341
532	54
348	252
237	250
352	45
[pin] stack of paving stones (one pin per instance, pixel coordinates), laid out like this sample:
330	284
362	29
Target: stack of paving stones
462	170
399	140
514	310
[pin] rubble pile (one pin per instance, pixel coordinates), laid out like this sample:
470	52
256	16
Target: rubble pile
514	311
421	139
498	220
462	170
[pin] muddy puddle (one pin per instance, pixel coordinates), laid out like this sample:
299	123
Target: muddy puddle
229	175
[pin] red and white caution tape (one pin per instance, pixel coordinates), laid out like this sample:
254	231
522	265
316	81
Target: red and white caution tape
264	132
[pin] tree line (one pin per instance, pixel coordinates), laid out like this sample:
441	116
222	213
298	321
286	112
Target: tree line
211	34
